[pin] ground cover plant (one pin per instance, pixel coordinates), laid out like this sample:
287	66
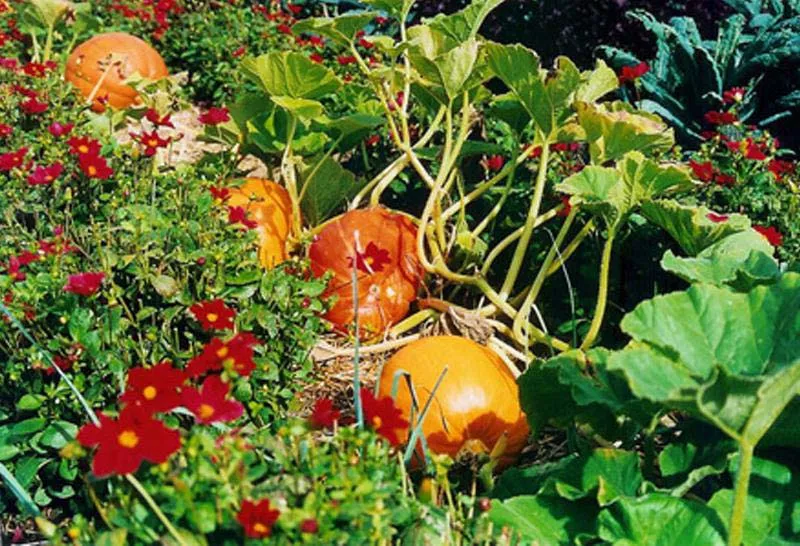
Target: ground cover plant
411	286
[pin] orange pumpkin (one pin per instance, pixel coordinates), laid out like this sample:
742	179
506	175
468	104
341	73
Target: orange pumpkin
388	270
269	205
127	54
475	405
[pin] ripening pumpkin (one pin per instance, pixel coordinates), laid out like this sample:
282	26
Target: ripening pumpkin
476	403
88	62
388	270
269	205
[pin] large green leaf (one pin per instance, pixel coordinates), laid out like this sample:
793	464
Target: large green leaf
596	83
660	520
741	260
326	185
614	193
543	519
614	129
731	358
352	128
449	70
464	25
694	228
290	74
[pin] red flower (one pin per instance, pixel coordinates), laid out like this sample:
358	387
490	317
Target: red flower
380	20
372	140
324	415
366	44
702	171
733	95
151	141
239	52
235	354
213	315
33	106
12	160
62	363
237	215
771	234
221	194
633	73
95	166
5	130
316	57
754	151
382	416
125	442
152	116
83	146
309	526
721	118
494	163
723	179
156	389
214	116
27	257
36	70
346	59
84	284
717	218
257	518
317	41
294	8
733	145
45	175
284	29
708	135
779	168
13	269
58	130
371	260
210	404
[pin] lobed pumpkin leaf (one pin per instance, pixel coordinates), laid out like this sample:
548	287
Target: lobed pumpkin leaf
290	74
661	520
325	186
544	519
341	29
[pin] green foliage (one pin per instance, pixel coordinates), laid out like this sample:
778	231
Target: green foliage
754	49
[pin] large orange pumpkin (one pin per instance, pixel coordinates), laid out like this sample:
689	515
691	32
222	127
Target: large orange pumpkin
126	54
269	205
476	403
388	270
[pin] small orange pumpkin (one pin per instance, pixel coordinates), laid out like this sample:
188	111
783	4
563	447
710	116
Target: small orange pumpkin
269	205
127	54
388	270
476	404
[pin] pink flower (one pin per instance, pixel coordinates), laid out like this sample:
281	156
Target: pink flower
84	284
58	130
45	175
214	116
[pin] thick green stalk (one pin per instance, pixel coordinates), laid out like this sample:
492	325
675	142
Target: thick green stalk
602	295
290	178
527	232
155	508
738	514
538	282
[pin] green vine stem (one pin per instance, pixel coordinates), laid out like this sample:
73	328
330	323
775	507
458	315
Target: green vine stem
498	206
738	515
290	179
602	295
154	507
533	293
527	232
356	343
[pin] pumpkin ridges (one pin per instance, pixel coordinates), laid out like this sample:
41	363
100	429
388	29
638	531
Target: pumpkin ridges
478	397
84	67
396	282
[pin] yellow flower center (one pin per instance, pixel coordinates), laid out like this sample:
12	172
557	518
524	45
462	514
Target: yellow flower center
83	148
152	143
260	528
212	317
149	392
377	422
92	170
205	411
128	438
228	362
222	352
